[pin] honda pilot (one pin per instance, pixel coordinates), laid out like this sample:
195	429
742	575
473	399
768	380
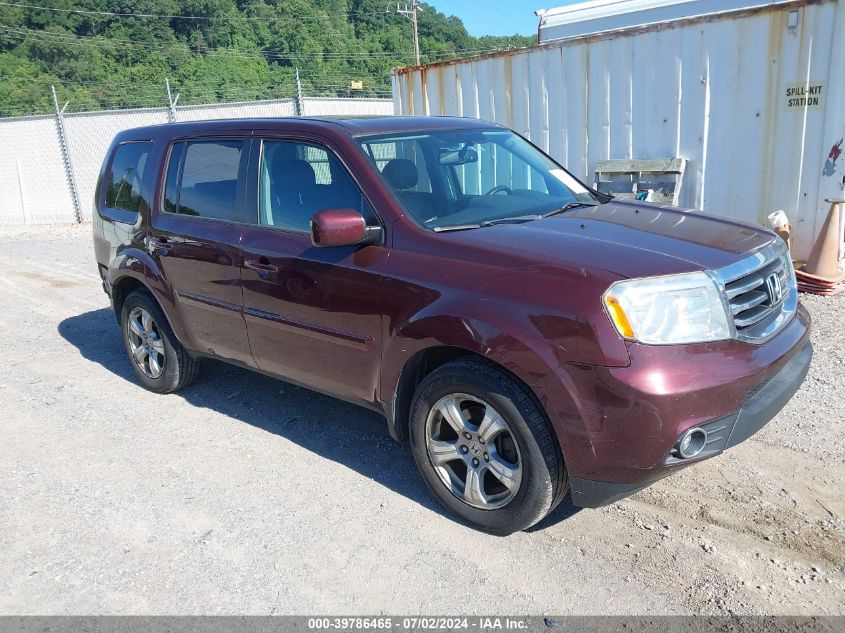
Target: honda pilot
530	337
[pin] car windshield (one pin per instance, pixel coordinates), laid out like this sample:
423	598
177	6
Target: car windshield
468	178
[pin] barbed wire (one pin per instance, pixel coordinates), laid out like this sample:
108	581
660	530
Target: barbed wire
87	97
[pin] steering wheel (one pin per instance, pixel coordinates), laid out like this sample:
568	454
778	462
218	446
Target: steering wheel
498	189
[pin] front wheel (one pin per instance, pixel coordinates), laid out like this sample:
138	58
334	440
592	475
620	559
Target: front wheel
484	447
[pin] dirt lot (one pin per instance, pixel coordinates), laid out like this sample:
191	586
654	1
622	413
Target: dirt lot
248	495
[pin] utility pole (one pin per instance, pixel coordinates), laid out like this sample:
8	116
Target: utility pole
411	14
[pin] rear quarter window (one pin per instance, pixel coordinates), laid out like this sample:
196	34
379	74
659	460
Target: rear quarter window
125	176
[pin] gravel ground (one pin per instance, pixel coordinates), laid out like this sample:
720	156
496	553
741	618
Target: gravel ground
248	495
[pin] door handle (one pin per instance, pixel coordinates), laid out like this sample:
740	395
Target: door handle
159	245
263	266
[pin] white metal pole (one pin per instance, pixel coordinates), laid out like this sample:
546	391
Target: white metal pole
65	150
171	102
20	191
300	105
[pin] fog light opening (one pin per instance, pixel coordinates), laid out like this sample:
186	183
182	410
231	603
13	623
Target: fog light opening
691	443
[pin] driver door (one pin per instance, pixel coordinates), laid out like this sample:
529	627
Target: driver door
313	314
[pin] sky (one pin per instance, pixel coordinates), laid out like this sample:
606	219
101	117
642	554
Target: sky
497	17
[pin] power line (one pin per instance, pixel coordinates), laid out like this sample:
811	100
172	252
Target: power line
104	41
115	14
334	80
24	33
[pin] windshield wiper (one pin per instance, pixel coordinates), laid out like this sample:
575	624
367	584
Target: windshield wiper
570	205
574	204
516	219
466	227
513	219
456	227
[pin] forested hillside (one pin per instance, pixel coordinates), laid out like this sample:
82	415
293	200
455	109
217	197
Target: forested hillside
117	53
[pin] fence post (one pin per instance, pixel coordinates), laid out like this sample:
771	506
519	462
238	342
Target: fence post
20	190
171	103
65	149
299	103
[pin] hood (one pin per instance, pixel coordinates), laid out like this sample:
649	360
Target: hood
630	239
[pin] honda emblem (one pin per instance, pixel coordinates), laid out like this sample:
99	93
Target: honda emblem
774	289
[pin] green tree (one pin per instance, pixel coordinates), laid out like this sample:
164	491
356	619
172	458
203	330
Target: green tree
213	50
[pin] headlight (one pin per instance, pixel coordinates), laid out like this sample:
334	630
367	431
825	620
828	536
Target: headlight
685	308
791	280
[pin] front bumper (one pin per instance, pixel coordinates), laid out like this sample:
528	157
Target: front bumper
617	425
755	413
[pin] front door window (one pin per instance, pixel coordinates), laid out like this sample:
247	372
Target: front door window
299	179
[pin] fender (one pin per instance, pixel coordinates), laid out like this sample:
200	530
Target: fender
530	358
523	356
136	263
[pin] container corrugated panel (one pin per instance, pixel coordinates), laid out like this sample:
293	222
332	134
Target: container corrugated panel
596	16
723	91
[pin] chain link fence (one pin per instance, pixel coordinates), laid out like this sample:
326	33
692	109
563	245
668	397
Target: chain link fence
49	164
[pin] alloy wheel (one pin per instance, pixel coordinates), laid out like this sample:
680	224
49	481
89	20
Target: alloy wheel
145	342
473	451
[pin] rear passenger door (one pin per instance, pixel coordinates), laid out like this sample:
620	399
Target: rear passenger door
195	238
313	314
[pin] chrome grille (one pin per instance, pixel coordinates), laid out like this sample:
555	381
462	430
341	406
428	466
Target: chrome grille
749	297
760	292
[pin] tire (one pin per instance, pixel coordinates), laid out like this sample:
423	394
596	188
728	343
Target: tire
520	475
163	365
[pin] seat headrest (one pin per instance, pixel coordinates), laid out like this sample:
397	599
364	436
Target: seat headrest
292	170
401	173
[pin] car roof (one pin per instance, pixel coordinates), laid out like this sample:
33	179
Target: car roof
351	125
358	125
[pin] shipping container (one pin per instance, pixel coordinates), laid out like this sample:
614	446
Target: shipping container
749	93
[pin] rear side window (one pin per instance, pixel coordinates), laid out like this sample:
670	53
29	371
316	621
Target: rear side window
126	175
171	186
202	179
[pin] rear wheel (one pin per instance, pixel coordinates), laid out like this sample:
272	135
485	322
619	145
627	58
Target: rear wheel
158	359
484	447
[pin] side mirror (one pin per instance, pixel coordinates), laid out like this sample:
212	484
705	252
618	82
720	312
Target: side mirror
339	227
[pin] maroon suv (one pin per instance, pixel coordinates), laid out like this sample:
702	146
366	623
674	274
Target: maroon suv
531	337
